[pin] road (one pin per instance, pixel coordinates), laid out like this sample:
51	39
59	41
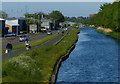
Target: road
50	42
15	40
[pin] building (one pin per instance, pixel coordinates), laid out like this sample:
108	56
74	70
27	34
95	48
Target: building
91	15
22	24
46	24
3	29
33	28
12	24
17	24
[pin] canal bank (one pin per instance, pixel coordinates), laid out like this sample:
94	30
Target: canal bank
57	65
94	59
107	31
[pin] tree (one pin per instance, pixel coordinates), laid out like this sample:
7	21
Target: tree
3	14
56	17
39	15
108	16
32	19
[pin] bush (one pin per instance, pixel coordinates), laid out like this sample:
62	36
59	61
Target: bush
21	68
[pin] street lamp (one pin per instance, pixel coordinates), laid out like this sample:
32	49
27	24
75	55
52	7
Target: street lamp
38	22
54	24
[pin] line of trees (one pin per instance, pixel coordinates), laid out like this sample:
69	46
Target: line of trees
75	19
33	18
55	16
108	17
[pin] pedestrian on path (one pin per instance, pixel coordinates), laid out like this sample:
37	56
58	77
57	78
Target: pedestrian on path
9	48
62	32
58	31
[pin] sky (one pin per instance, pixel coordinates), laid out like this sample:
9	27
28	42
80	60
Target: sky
57	0
71	9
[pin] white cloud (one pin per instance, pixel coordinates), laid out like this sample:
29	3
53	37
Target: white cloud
58	0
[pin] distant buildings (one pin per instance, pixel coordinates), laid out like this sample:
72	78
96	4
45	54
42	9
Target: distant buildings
3	29
91	15
22	24
33	28
15	25
12	24
46	24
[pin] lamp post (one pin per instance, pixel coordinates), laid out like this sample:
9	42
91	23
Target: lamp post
38	22
17	24
54	24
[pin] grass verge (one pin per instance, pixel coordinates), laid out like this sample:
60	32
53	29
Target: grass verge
33	43
37	65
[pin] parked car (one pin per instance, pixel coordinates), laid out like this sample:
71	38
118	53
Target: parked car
9	34
23	38
49	32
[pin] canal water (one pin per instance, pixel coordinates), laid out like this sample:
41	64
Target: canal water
94	59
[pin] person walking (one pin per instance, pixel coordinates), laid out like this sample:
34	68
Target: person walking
58	31
62	32
9	48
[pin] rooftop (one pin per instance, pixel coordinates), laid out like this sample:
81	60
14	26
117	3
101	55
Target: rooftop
12	22
11	18
14	18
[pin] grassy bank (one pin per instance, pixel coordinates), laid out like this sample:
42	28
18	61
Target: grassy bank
108	32
37	65
115	35
33	43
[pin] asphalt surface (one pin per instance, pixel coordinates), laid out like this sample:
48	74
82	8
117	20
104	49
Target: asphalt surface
15	40
50	42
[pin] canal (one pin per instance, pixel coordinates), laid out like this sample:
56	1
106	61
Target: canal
94	59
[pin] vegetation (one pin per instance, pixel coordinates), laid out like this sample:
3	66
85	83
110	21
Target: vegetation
3	14
107	17
75	19
37	65
115	35
34	18
56	17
